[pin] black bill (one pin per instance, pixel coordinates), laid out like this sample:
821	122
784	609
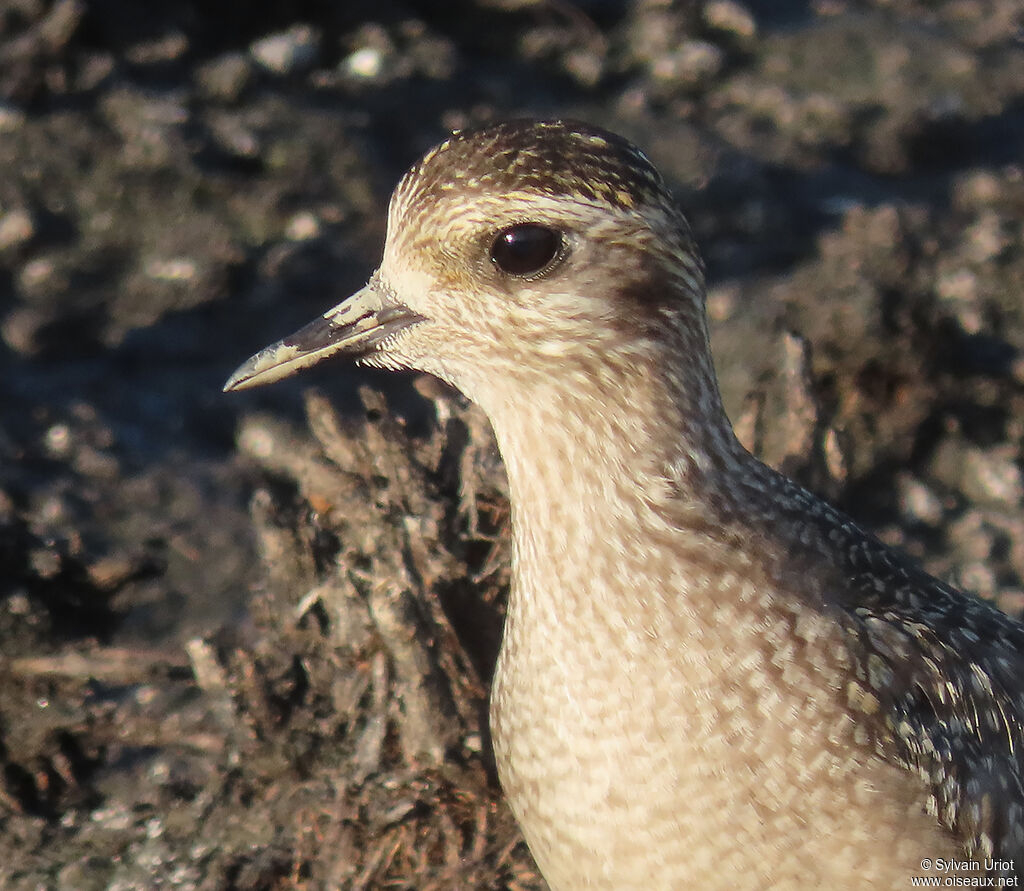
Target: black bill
354	328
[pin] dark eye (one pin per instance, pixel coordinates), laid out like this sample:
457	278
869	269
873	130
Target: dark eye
525	249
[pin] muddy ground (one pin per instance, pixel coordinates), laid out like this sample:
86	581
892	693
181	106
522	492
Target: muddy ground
246	640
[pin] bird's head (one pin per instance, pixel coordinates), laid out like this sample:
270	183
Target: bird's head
522	248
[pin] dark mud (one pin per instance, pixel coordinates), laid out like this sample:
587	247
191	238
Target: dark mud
246	640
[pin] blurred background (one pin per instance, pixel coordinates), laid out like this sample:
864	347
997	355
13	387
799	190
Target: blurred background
182	183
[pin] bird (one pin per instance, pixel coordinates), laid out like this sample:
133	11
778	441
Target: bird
708	677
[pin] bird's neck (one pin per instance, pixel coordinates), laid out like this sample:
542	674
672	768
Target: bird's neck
593	460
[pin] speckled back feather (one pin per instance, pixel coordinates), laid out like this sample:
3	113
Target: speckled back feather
937	677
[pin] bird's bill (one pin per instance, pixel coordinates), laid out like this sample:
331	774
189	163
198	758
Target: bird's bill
355	327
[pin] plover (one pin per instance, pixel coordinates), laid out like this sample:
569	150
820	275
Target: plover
709	678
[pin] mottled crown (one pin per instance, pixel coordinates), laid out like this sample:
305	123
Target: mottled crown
556	158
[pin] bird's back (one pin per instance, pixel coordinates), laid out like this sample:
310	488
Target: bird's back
937	678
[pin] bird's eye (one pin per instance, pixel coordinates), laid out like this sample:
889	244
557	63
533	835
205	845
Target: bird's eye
525	249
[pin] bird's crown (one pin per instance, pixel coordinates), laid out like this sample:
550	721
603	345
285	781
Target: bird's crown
557	158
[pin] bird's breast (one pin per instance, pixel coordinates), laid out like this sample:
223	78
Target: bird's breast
660	746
